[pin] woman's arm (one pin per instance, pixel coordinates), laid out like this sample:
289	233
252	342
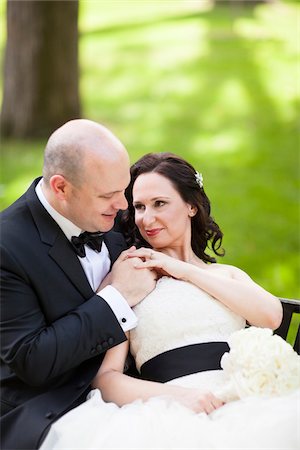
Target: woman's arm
228	284
239	293
121	389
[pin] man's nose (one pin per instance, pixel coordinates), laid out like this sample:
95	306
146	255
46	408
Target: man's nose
121	202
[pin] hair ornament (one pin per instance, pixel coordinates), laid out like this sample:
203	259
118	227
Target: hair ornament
199	179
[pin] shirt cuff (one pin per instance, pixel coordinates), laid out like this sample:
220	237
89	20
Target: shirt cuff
120	307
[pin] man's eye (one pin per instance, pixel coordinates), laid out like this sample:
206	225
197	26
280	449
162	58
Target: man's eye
105	196
159	203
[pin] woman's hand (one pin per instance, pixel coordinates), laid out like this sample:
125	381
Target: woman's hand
199	401
228	284
161	263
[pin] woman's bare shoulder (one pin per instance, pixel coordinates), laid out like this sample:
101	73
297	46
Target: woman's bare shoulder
228	270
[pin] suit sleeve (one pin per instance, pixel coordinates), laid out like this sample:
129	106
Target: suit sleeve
38	350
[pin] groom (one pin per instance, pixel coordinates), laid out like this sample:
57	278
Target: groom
57	320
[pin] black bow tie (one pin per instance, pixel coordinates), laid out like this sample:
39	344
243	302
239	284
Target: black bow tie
93	240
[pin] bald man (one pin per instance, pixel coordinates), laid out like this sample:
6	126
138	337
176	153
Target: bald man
62	303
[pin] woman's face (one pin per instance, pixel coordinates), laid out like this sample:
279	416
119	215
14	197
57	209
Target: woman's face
161	215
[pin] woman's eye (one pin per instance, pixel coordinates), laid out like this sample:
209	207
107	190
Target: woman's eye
138	207
159	203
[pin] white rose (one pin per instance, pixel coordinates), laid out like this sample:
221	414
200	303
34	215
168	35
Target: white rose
259	363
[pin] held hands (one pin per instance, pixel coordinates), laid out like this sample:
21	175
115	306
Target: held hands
132	283
161	263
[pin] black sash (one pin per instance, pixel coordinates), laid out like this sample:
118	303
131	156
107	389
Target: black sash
184	361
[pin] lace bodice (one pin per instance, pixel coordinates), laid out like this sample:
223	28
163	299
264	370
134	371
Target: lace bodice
177	313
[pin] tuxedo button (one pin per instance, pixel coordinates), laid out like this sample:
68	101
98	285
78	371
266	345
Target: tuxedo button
123	320
105	344
99	348
110	341
50	415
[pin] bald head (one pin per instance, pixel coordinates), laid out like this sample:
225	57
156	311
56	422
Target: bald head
70	145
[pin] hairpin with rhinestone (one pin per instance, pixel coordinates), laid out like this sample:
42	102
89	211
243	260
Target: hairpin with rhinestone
199	179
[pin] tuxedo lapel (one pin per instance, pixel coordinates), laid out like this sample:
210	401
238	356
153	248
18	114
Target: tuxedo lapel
63	254
60	249
115	245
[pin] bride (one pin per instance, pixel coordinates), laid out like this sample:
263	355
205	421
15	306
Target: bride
180	399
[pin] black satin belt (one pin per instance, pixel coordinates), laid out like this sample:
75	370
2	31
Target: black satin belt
184	361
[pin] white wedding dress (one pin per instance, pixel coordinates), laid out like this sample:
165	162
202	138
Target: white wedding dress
178	314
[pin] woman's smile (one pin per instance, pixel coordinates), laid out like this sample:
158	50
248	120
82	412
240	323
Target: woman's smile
153	232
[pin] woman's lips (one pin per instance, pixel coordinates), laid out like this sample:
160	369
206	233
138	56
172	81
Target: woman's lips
153	232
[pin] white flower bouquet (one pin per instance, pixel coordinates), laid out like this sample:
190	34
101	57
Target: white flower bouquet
259	364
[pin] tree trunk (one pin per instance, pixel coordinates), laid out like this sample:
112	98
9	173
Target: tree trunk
41	67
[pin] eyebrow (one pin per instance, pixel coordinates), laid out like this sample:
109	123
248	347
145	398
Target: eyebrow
161	197
110	193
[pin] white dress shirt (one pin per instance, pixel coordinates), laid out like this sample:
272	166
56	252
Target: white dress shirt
95	265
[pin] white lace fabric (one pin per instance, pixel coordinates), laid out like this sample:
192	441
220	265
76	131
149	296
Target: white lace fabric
164	314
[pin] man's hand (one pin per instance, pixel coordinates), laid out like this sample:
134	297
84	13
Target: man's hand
105	282
132	283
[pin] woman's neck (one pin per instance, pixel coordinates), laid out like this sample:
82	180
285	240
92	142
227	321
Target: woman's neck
185	254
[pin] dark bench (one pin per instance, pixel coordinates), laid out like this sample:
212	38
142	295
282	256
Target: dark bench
289	329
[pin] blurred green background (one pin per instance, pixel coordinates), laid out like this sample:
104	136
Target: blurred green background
216	83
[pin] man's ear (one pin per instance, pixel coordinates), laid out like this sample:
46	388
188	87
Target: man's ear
59	186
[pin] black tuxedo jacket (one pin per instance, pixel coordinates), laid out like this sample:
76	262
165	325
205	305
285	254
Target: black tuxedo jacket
54	328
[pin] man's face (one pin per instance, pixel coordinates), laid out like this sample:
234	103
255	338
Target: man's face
93	205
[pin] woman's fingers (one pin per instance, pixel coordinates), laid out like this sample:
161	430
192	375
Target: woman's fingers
150	264
144	253
216	402
209	403
125	254
198	400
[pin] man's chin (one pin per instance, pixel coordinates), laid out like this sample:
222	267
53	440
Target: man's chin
107	223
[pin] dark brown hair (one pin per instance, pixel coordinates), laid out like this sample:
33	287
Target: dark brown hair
205	231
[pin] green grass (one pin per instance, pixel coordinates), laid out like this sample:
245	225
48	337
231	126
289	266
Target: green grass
217	86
